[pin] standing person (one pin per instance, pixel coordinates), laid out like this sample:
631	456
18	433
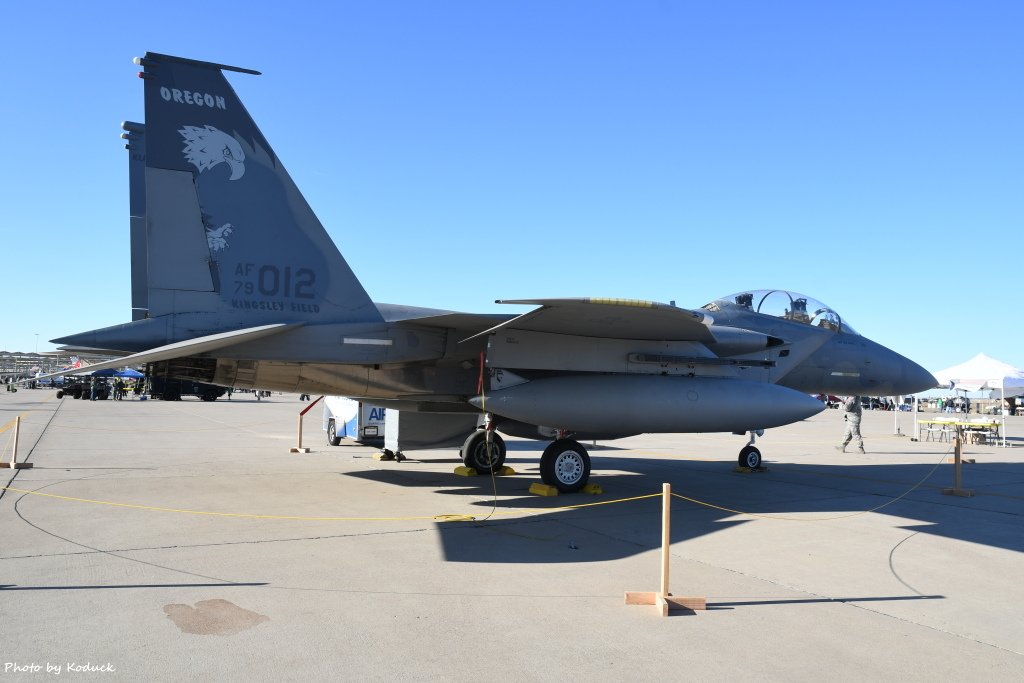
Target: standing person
853	413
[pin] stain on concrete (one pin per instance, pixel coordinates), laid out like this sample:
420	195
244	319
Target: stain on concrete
213	618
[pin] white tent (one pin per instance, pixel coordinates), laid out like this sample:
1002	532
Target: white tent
982	373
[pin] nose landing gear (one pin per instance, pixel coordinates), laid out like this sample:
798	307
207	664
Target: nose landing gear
750	456
484	451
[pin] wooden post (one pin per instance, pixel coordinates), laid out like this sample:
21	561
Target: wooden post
662	599
958	479
666	534
17	431
958	475
302	413
14	464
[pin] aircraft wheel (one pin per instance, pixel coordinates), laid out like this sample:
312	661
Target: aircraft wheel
565	464
474	452
750	457
332	434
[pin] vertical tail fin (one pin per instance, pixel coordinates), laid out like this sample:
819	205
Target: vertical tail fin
228	235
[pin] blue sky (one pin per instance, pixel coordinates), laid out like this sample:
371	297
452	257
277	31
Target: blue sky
867	154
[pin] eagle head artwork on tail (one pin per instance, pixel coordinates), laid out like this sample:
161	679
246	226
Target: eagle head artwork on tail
206	147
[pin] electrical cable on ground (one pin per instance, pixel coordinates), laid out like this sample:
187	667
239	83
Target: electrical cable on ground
488	444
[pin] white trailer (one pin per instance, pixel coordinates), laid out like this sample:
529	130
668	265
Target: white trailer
346	418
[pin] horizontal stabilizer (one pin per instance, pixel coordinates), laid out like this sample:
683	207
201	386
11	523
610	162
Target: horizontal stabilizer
190	347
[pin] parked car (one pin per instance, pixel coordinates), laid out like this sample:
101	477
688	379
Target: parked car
830	400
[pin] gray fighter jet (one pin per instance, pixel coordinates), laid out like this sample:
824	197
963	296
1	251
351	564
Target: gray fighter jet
235	282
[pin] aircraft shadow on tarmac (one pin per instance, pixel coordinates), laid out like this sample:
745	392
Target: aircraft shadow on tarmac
608	532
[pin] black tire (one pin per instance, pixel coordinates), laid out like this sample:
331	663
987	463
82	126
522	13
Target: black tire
565	464
474	452
750	457
60	394
332	434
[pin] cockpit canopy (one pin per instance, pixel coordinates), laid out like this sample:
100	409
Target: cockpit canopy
786	305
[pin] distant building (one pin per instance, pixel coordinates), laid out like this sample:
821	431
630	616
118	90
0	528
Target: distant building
27	364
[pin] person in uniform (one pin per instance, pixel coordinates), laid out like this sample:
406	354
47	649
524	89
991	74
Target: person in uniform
852	416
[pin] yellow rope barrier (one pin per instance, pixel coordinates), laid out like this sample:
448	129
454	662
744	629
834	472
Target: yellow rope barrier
441	518
819	519
465	517
11	423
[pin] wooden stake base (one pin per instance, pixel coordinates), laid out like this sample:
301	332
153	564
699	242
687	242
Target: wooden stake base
963	493
299	450
666	603
16	465
662	600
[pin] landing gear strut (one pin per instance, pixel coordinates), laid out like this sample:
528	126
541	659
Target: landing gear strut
750	457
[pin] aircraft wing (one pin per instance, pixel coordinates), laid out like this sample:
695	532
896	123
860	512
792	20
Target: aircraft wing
610	319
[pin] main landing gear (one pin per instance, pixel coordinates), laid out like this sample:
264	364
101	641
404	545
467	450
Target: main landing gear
750	457
565	464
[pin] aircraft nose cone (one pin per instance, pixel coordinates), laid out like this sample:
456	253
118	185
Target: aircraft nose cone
897	375
917	378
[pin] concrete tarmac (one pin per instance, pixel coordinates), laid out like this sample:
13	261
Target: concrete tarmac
205	553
